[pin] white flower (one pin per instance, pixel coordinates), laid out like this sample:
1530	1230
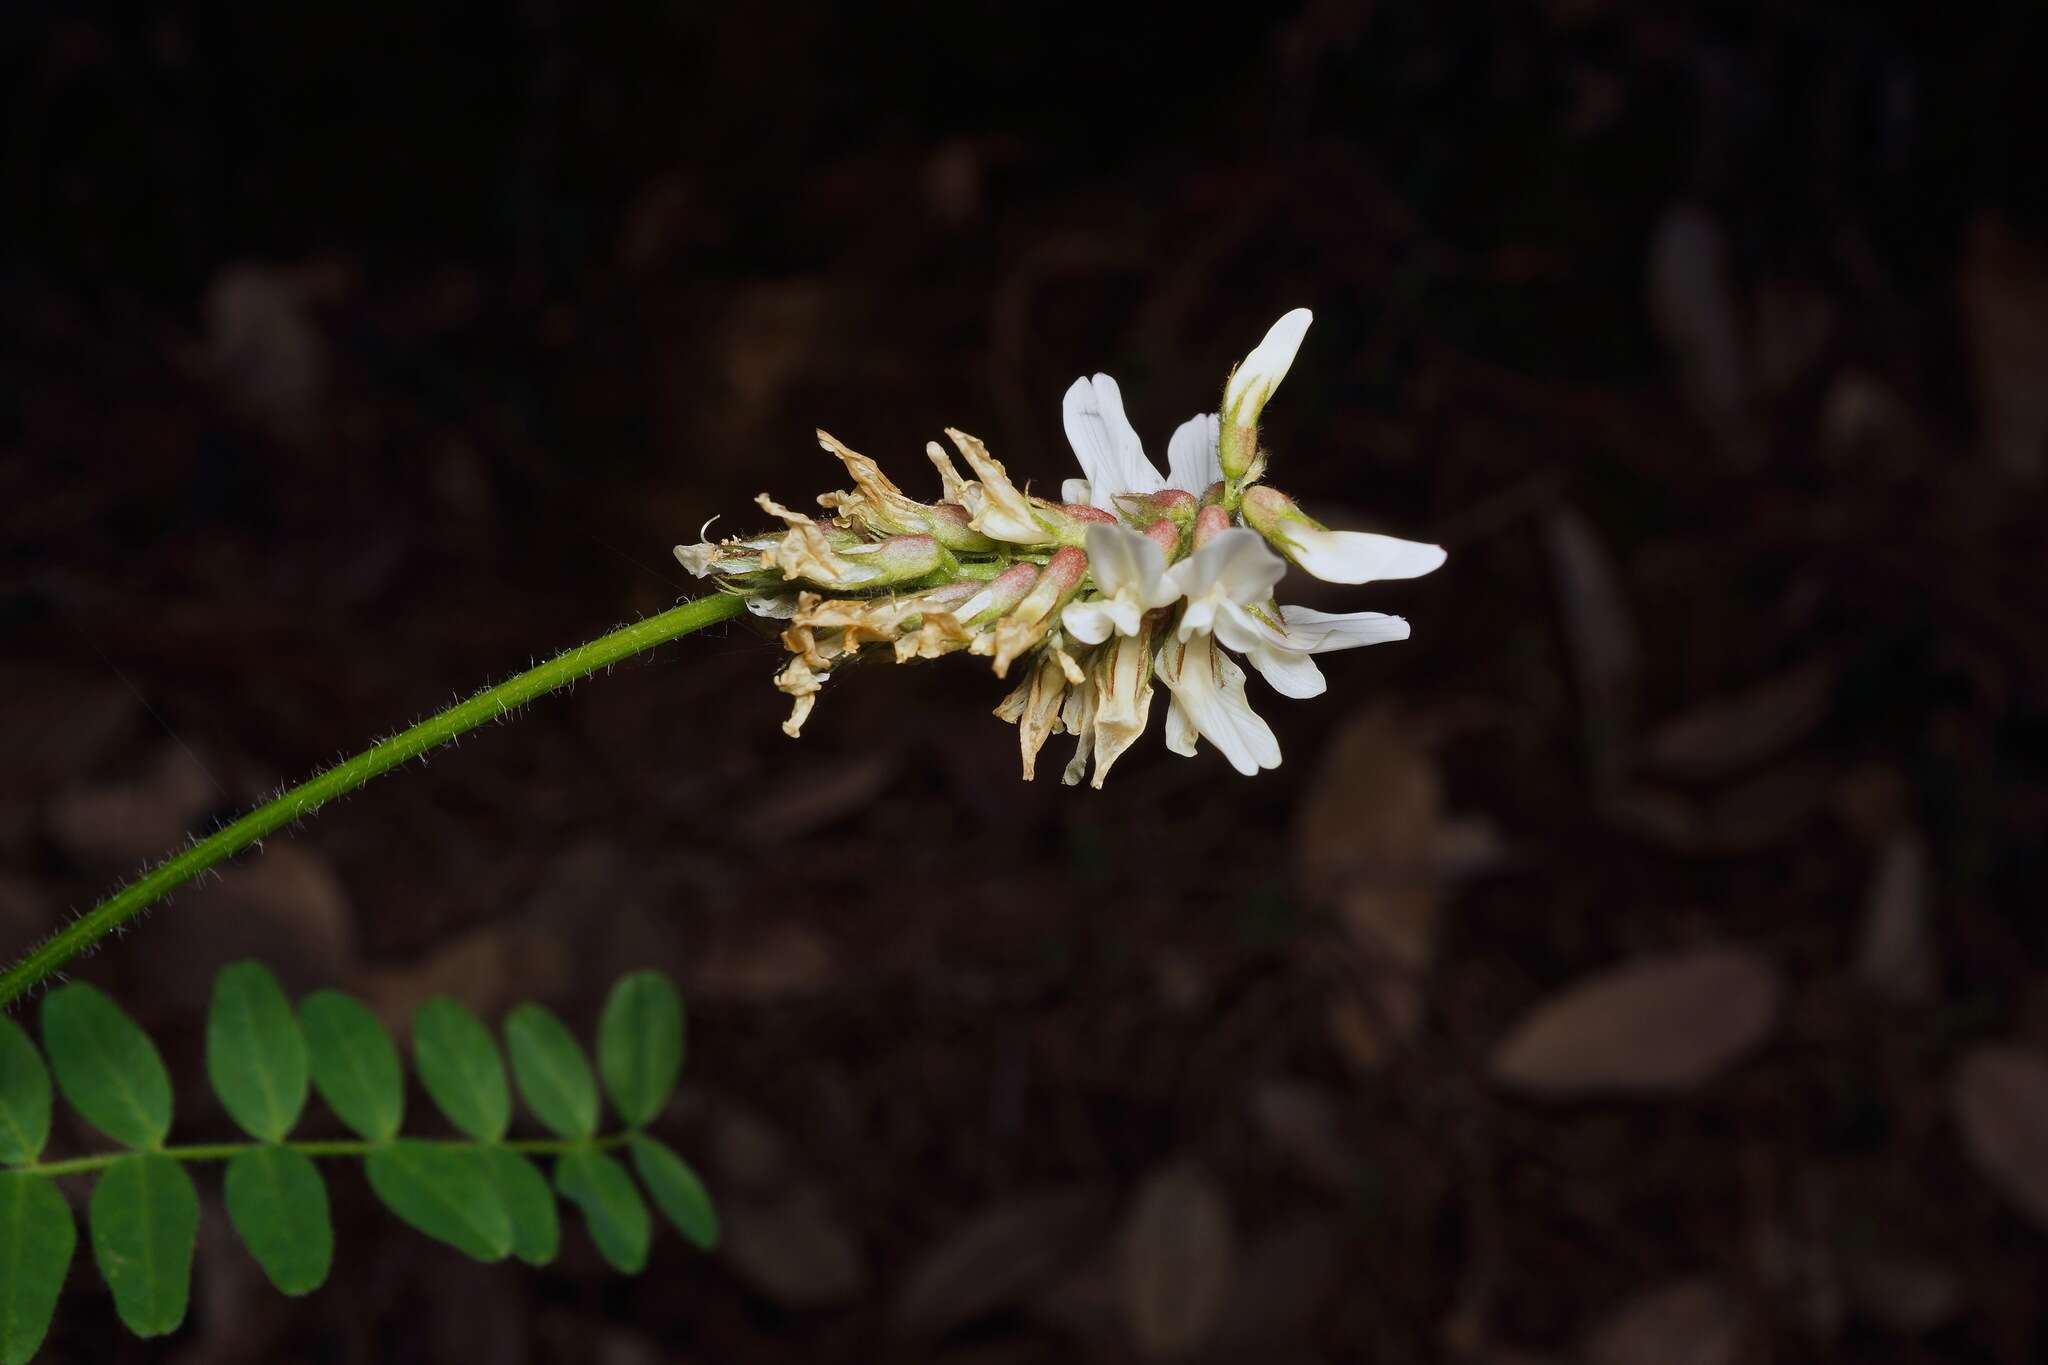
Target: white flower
1113	458
1233	570
1130	575
1252	383
1336	556
1208	700
1191	458
1361	556
1280	649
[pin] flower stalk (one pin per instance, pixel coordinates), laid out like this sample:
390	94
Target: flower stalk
493	703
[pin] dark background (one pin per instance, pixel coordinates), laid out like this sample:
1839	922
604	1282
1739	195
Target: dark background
355	356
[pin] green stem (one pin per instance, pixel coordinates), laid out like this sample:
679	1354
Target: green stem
224	1151
344	777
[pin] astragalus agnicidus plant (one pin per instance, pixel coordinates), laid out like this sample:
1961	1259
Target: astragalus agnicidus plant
1129	576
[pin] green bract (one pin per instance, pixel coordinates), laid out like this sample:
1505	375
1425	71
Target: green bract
483	1195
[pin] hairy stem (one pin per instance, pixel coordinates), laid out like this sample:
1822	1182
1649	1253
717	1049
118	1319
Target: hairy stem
226	1151
344	777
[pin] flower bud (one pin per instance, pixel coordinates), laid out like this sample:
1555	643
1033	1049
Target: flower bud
1033	617
999	596
1210	522
1166	535
947	523
1250	385
1176	505
897	560
1334	556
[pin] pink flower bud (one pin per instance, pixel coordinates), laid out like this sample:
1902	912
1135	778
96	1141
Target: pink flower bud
1210	522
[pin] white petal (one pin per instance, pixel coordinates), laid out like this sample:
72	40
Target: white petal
1121	559
1268	363
1290	674
1320	632
1235	561
1122	690
1360	556
1180	731
1090	622
1191	459
1075	491
772	608
1105	443
1209	687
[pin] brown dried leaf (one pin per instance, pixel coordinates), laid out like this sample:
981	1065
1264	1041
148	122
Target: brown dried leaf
994	1260
1302	1121
1691	292
1905	1293
1282	1279
822	796
1369	840
1660	1024
1691	1322
1604	648
2001	1101
780	961
125	822
1659	815
1732	733
1768	809
1175	1261
487	970
793	1249
60	723
1897	956
284	906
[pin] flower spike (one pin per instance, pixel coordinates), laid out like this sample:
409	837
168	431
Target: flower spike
1132	576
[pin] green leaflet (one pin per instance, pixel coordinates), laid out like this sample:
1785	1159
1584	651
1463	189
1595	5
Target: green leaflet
255	1053
355	1067
278	1204
677	1191
640	1045
448	1192
24	1097
107	1068
613	1210
536	1230
461	1069
553	1077
37	1238
144	1218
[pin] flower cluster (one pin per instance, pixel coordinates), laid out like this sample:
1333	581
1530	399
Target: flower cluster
1130	576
